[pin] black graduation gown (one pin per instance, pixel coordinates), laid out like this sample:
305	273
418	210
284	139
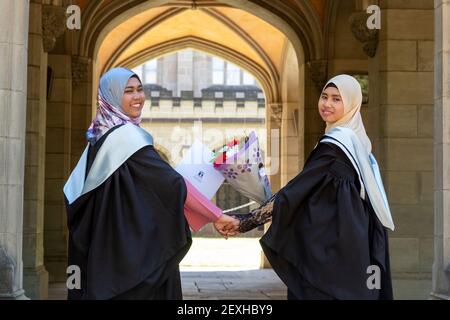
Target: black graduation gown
323	236
129	235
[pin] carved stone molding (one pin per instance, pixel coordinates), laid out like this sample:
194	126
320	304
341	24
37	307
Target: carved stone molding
7	267
9	286
368	37
318	72
53	25
80	70
276	112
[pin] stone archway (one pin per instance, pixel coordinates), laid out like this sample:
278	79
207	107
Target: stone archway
301	33
303	28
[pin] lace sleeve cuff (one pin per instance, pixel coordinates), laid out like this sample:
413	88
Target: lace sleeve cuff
257	217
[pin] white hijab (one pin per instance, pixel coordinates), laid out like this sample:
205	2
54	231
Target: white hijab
350	135
351	94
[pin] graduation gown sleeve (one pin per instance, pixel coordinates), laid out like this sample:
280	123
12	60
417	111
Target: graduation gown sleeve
323	234
129	234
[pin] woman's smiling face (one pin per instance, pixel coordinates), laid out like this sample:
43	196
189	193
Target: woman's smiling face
331	106
133	98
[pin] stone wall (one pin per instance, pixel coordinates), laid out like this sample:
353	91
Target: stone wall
405	79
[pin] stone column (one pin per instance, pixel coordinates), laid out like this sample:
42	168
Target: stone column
35	276
168	72
202	75
13	94
315	79
274	116
405	76
185	71
441	266
292	142
81	112
57	165
289	142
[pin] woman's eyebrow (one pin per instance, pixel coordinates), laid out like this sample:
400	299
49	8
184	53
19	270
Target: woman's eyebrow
131	87
332	95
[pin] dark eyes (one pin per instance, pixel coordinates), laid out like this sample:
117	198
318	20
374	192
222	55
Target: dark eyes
140	89
334	99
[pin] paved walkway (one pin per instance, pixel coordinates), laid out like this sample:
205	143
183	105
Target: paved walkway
220	269
242	285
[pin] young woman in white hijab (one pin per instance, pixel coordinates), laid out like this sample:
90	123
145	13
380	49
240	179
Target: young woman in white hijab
125	205
328	237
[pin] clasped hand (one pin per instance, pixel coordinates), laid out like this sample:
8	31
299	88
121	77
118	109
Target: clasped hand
227	226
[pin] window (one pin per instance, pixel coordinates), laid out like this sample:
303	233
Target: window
248	79
233	75
224	72
150	71
218	70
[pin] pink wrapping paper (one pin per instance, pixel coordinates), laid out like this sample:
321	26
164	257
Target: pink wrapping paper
198	209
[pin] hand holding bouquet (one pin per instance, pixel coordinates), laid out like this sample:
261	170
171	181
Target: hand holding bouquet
240	162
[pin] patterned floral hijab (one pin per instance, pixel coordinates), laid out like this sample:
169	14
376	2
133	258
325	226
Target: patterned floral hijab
109	109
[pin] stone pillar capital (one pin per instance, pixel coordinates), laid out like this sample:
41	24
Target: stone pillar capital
8	281
276	112
369	38
53	25
318	71
80	70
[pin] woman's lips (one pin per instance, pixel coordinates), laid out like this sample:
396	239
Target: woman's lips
326	112
136	105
